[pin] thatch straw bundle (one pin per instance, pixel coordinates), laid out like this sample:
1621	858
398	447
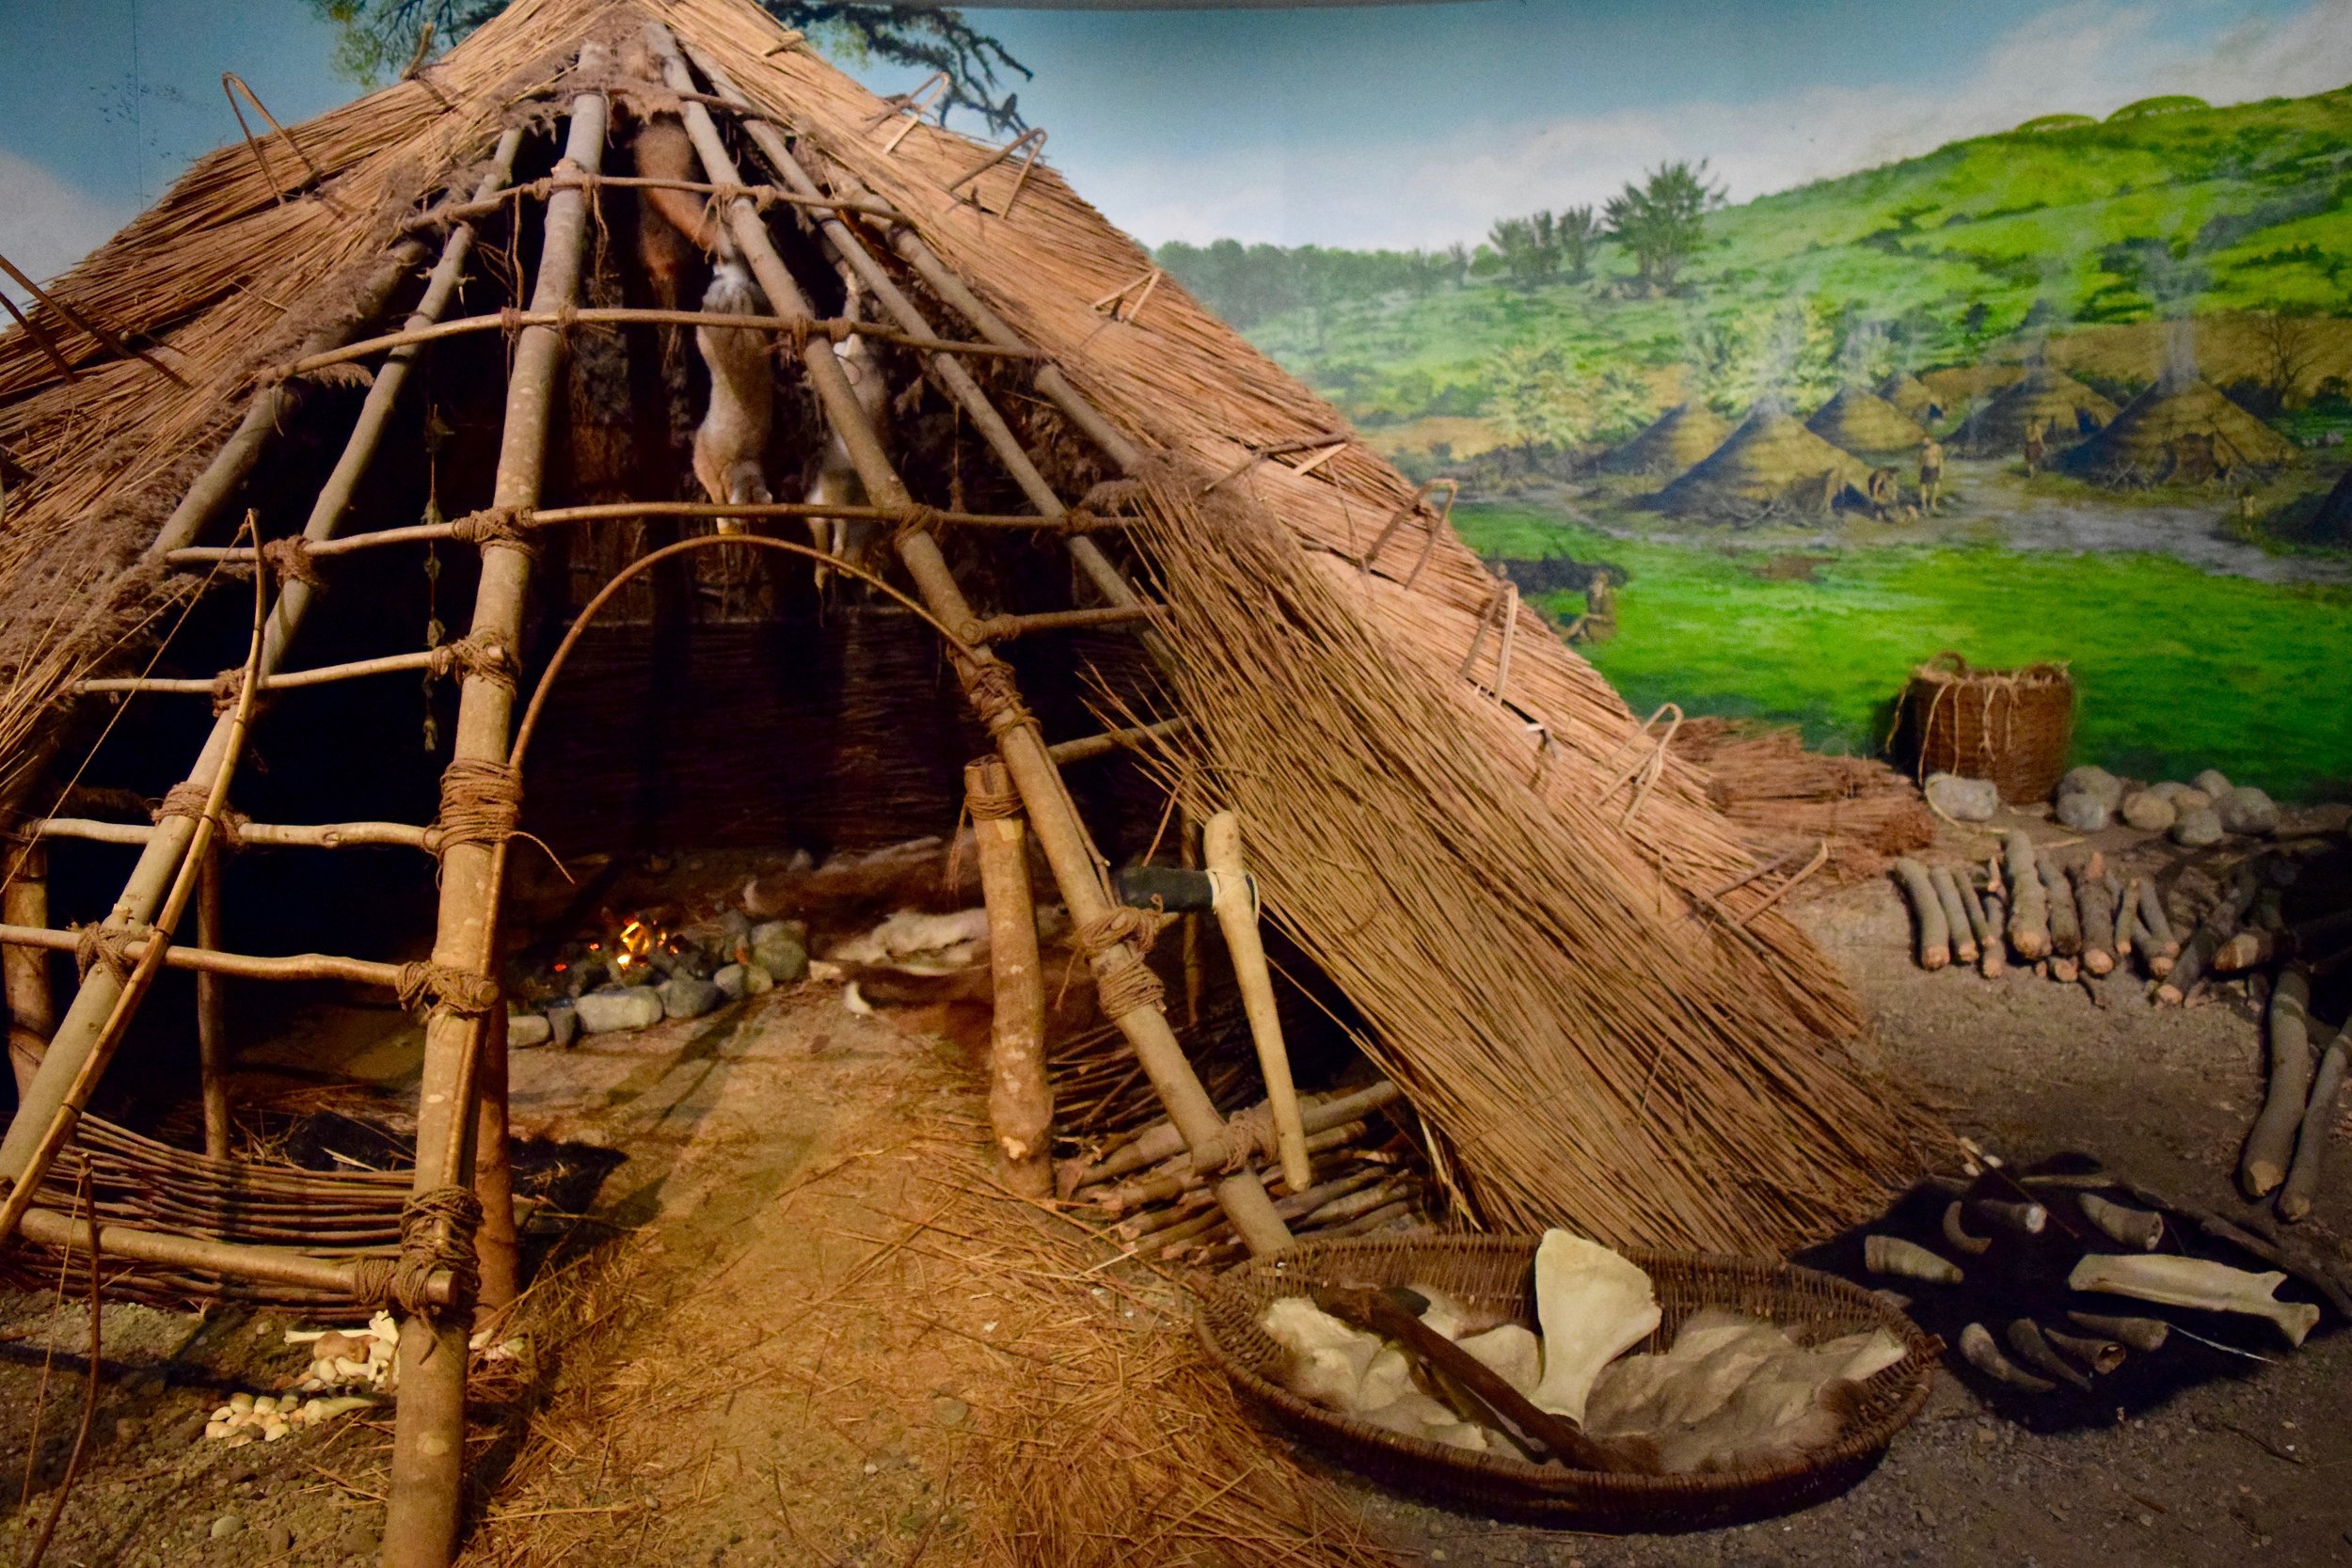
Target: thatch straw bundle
1786	799
1559	1025
1859	422
2188	431
1771	466
1680	436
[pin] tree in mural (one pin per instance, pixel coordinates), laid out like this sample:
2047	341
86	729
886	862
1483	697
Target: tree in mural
1580	232
1529	246
1661	221
379	37
1540	397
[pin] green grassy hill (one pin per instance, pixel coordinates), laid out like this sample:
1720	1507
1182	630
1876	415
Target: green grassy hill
2229	212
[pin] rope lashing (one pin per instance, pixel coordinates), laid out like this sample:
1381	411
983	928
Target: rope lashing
188	798
996	698
105	945
445	988
288	559
916	517
227	687
1249	1136
495	524
805	330
1648	764
1130	988
1102	503
485	658
992	805
436	1231
1120	926
481	801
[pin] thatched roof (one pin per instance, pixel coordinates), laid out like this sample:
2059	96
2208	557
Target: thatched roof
2186	432
1771	466
1861	422
1644	1135
2063	407
1680	436
1910	396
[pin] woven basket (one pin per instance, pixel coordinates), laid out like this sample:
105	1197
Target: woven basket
1496	1273
2011	726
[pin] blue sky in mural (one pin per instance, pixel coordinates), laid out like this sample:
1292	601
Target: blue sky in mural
1382	126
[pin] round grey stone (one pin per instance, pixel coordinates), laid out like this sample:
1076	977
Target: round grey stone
2197	827
1964	799
686	997
525	1030
2214	783
2097	782
2246	810
603	1012
2083	812
562	1023
228	1525
783	955
2148	811
729	979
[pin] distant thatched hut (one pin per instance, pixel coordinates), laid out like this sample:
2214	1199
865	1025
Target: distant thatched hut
2332	523
1861	422
1682	436
1771	466
1912	397
2064	409
2179	432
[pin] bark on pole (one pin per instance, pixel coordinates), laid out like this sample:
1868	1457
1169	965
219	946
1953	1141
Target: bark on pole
24	971
1935	940
498	1249
2319	1125
2066	930
1052	813
2029	904
1236	907
427	1487
2096	905
211	1013
1955	914
1020	1098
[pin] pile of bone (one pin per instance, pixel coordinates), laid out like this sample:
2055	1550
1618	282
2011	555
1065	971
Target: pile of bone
1160	1206
1999	1229
1730	1391
596	987
348	1367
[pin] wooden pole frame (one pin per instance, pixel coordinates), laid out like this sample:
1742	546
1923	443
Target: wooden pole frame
1020	1098
1076	872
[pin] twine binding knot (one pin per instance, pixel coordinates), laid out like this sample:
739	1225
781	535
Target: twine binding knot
436	1231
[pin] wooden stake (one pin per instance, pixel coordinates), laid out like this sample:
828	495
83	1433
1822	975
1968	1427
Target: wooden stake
2270	1146
1020	1100
427	1488
212	1014
1236	905
24	971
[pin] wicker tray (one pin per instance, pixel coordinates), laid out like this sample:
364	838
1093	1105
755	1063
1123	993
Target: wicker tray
1496	1272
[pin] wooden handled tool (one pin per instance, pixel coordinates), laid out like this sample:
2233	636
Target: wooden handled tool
1236	907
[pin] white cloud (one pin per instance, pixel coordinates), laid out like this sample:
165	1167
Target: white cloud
2090	59
46	225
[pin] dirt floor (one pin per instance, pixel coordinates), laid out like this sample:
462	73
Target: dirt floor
801	1326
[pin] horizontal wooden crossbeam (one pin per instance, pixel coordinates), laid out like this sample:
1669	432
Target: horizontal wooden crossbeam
462	212
835	327
235	1260
243	966
999	629
1090	746
285	680
251	835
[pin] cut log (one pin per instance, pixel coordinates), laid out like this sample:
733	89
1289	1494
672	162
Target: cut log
2066	928
1955	914
1984	928
2221	922
2127	918
1926	911
2029	906
2312	940
2270	1144
2155	932
2319	1125
2096	906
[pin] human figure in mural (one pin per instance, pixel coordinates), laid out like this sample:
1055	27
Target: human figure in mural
2034	448
1930	473
1883	494
1599	623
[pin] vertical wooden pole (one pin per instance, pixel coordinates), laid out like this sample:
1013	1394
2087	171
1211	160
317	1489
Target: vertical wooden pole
1020	1100
212	1014
496	1246
1236	907
422	1512
24	971
1188	855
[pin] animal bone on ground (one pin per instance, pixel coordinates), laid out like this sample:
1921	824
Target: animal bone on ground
2195	1282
